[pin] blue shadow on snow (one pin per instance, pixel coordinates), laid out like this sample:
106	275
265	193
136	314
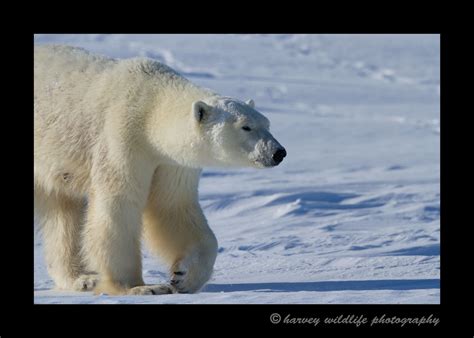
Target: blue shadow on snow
427	250
359	285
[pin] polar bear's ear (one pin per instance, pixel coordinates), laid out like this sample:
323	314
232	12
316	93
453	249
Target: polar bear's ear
251	103
201	110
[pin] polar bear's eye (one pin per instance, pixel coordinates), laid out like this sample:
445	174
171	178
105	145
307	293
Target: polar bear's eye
246	128
201	113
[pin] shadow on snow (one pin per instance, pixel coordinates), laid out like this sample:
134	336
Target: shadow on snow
359	285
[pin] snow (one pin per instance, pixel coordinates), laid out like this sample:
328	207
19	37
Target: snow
352	215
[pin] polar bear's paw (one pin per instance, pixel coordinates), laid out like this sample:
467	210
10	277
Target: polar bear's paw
85	282
159	289
191	274
178	281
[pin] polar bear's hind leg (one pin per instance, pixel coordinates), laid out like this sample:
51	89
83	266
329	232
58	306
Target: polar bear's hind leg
60	218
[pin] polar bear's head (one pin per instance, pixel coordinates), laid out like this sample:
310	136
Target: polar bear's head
233	133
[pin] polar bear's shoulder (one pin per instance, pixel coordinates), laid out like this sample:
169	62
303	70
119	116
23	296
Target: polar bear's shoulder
149	67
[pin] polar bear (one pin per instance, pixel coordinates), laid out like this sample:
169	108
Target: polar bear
118	150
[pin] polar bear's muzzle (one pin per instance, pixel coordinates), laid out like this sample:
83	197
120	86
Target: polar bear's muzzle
268	154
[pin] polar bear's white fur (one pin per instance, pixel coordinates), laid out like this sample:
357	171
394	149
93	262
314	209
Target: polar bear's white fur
118	147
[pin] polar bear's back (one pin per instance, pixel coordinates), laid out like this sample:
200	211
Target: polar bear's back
62	77
59	58
60	70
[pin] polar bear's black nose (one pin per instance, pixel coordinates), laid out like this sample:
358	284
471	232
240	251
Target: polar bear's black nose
279	155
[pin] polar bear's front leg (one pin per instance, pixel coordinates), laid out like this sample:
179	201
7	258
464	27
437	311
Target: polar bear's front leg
177	230
182	237
111	243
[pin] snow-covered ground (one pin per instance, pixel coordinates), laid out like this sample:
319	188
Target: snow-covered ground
352	215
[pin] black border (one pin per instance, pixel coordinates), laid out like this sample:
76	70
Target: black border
238	317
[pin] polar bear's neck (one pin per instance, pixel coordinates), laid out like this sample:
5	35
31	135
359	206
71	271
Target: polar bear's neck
172	128
176	100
